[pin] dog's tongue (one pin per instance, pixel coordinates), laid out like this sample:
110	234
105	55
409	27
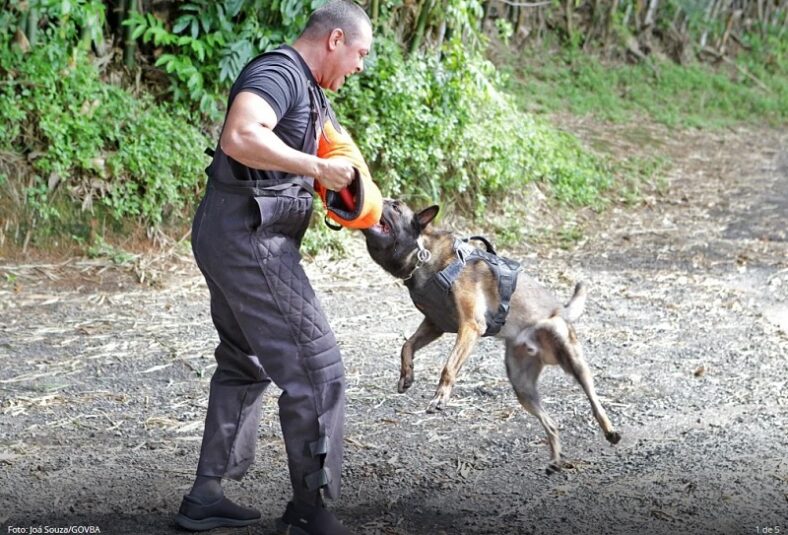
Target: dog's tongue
380	227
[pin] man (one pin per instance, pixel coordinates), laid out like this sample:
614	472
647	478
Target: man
245	237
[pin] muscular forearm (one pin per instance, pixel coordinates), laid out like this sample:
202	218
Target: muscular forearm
249	138
257	146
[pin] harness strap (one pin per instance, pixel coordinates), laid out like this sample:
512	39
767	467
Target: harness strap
507	283
261	188
446	277
485	241
318	479
435	295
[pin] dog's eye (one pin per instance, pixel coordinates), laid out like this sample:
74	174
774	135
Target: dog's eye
396	208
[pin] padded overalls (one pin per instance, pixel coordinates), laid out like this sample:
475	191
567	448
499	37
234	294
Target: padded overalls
246	238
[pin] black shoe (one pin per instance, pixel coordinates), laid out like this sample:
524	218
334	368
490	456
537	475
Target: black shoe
316	520
197	516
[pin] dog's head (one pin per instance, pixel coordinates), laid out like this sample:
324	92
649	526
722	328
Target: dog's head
393	241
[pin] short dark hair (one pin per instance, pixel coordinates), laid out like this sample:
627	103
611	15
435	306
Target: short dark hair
343	14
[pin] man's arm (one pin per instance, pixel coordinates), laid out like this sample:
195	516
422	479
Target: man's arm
248	137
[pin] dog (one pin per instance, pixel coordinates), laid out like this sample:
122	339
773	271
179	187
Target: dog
537	330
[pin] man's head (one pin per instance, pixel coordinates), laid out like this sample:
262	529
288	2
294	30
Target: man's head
336	39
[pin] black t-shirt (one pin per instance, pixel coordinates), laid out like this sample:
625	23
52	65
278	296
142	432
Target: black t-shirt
285	85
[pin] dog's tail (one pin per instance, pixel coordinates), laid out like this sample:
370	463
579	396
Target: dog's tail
574	308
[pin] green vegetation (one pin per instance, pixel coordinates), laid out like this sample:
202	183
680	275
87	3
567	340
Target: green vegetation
437	129
90	146
209	43
105	107
92	141
753	89
321	239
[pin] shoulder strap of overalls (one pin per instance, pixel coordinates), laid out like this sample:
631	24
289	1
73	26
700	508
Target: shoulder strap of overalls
315	93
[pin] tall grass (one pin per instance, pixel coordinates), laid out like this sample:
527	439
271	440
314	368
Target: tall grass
749	90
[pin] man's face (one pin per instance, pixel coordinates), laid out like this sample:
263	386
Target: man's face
346	56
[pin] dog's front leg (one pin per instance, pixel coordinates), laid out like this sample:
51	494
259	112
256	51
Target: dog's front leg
424	335
467	336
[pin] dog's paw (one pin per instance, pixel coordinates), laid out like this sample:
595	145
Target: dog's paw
435	406
404	383
553	468
613	437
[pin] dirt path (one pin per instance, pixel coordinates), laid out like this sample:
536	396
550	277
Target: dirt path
103	381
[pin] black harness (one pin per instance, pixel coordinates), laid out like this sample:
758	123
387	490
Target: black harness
435	298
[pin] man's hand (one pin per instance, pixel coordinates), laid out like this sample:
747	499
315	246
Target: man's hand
335	173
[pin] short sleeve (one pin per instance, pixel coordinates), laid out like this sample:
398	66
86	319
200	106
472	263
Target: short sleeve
273	81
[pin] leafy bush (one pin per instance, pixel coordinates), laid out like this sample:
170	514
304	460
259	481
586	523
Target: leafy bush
431	125
90	140
438	128
210	42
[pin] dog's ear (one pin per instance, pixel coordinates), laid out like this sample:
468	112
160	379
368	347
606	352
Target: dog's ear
426	216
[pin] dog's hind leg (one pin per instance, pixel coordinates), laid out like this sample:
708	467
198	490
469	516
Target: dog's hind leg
557	344
424	335
523	367
571	359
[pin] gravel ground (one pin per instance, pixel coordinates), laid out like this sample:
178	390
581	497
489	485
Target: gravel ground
104	380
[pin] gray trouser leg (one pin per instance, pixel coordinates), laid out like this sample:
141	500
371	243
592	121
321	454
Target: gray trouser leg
235	400
271	327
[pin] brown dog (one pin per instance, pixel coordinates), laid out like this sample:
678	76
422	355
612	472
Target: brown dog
537	329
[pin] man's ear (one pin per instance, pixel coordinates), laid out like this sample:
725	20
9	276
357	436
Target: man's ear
426	216
335	37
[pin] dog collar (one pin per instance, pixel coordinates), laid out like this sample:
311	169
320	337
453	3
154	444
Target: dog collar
423	255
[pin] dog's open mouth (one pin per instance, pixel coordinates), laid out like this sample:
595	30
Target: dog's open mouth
381	227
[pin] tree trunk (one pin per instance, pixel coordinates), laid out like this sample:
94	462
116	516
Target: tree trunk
516	19
651	14
608	24
442	37
542	22
32	26
569	14
627	14
732	16
374	8
708	18
421	24
761	21
130	46
485	11
593	27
